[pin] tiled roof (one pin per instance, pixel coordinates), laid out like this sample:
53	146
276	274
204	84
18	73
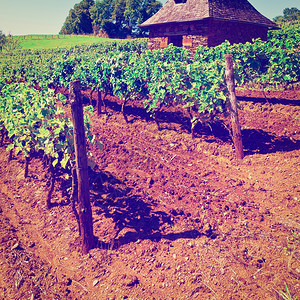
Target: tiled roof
194	10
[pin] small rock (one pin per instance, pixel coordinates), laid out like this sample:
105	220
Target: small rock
207	229
131	280
153	248
95	282
150	181
190	244
16	246
31	244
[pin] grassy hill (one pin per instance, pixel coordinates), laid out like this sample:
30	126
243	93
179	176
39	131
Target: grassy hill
57	41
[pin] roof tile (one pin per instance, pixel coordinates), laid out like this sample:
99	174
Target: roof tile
194	10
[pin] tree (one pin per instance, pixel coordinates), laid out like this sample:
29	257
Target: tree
9	43
116	18
289	15
79	20
120	18
3	40
101	13
146	10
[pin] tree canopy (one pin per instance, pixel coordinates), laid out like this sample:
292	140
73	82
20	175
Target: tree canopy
79	20
289	15
114	18
2	40
9	43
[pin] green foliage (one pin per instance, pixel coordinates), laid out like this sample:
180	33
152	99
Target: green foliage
79	20
288	37
35	122
9	43
162	77
286	295
31	119
101	13
290	15
43	42
52	67
3	40
126	75
293	242
272	62
63	71
120	18
146	10
168	77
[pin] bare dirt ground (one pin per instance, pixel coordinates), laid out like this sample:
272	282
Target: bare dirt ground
176	217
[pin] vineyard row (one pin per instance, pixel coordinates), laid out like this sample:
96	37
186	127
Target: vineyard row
34	121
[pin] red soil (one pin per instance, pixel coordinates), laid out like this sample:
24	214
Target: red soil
176	217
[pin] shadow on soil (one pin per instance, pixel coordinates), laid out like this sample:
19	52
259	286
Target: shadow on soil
270	100
164	118
259	141
254	141
134	218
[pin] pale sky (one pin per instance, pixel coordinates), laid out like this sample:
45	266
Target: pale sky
18	17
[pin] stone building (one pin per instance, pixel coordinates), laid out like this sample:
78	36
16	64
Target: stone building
190	23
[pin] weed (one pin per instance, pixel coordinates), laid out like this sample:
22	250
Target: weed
286	295
292	243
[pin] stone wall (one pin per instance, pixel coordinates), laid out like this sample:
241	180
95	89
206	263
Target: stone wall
193	34
157	43
207	32
191	42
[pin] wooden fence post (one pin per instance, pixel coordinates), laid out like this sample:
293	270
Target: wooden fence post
99	102
85	210
236	128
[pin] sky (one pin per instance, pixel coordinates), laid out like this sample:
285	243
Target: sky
21	17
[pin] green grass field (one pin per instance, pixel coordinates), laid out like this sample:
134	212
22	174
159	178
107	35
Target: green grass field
58	41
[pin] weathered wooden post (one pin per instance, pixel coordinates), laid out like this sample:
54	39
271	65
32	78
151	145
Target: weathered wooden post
236	128
85	210
99	102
